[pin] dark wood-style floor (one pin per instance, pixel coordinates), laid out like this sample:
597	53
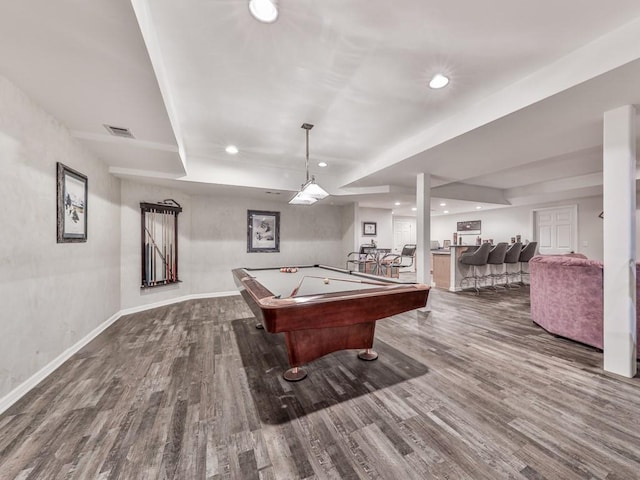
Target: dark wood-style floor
473	390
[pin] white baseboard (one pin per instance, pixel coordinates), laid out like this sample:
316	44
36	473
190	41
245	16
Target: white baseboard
22	389
196	296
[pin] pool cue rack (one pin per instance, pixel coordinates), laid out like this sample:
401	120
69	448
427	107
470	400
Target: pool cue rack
159	238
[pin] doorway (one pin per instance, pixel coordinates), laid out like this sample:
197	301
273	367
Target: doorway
556	229
404	232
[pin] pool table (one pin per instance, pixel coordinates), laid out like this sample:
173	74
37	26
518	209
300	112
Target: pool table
323	309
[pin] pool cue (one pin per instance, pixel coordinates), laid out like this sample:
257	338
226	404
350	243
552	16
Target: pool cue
146	250
152	253
156	249
295	290
172	239
164	245
152	234
169	246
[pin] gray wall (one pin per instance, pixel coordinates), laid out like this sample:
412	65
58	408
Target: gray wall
308	235
350	234
212	242
52	295
384	227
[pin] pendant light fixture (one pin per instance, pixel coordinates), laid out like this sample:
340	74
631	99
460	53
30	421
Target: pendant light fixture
310	192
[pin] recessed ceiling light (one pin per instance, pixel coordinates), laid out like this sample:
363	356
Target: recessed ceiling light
443	204
231	149
478	207
414	209
265	11
438	81
322	164
446	211
397	204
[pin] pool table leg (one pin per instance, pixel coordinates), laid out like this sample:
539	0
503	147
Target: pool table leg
368	354
294	374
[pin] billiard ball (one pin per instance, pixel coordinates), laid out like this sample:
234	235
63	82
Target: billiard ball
326	281
294	269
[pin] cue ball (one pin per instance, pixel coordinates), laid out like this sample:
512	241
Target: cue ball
294	269
326	281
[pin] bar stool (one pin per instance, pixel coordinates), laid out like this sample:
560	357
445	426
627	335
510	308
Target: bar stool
512	257
391	263
475	259
527	254
496	257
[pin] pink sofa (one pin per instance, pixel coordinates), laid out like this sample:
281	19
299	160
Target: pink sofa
566	297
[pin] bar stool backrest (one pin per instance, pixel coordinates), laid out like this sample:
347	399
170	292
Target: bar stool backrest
479	257
497	253
408	250
528	252
513	254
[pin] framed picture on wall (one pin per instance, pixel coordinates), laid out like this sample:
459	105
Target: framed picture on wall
369	228
470	227
263	231
72	205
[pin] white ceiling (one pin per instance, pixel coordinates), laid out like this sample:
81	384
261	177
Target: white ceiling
520	122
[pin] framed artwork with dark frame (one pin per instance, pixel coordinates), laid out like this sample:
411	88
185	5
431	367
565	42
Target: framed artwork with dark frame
263	231
72	195
369	228
470	227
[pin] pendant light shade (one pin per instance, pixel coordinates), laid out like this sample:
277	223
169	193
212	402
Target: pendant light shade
310	192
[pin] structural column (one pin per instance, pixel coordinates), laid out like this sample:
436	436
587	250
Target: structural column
423	228
357	228
619	199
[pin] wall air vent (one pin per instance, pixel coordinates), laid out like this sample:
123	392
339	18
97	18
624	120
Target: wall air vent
119	131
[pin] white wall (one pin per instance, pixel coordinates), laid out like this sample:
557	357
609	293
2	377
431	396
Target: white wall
384	227
308	235
503	223
52	295
131	275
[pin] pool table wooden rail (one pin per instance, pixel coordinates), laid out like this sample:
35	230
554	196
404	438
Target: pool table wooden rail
327	310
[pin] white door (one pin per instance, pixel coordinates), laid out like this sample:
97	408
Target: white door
404	232
556	229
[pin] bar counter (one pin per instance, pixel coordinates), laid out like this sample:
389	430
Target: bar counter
446	266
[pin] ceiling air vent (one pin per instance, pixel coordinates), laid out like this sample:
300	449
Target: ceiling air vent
119	131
